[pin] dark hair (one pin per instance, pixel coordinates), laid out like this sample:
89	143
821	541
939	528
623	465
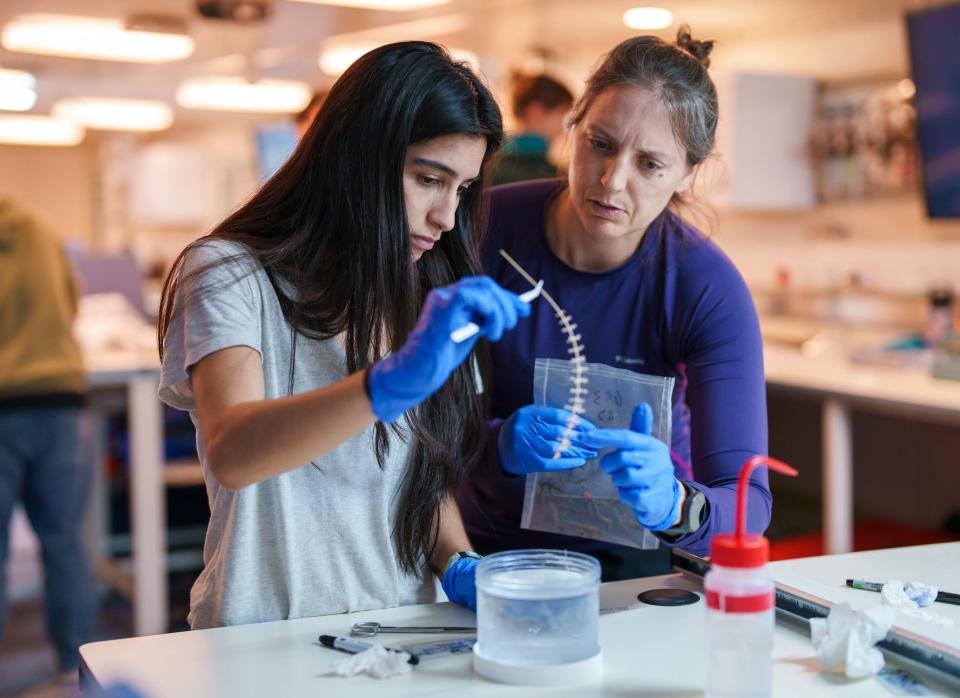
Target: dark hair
332	223
677	74
538	89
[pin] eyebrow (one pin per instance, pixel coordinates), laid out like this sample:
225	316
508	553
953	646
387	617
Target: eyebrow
443	167
643	151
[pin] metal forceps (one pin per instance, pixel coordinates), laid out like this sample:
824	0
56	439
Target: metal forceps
370	628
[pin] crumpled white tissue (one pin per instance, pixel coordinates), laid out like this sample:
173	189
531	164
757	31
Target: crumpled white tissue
377	661
846	638
896	595
920	593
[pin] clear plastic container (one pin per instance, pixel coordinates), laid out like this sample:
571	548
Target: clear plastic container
739	641
538	607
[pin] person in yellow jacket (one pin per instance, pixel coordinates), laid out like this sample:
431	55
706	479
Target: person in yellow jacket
44	459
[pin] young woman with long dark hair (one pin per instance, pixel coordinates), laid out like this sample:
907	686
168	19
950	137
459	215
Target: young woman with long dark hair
309	337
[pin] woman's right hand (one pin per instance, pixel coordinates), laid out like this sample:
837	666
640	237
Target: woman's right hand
409	376
532	434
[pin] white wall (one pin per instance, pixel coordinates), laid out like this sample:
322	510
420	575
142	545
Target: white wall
889	240
58	184
849	52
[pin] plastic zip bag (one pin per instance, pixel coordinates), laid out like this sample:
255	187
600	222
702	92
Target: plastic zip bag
584	501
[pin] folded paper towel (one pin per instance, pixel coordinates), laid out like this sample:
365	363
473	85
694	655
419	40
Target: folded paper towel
846	638
377	661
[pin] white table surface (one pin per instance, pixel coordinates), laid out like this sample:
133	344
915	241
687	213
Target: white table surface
843	385
648	651
888	388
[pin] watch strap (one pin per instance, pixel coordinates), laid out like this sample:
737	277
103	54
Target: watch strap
692	514
459	556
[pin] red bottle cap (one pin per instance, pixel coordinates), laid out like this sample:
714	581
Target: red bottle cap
742	549
750	551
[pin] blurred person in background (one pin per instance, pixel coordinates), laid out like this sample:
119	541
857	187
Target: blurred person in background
44	454
540	104
649	293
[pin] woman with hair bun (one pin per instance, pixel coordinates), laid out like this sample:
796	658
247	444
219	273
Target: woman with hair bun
649	292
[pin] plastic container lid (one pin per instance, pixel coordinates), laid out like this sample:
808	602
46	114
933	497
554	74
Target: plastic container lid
741	549
751	551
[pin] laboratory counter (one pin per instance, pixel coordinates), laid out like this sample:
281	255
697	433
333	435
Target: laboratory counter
647	650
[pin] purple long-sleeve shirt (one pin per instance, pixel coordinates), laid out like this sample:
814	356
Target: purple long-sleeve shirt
678	307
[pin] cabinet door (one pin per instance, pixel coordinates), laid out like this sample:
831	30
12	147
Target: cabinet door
764	134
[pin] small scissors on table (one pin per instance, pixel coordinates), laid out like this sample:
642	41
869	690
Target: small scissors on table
370	628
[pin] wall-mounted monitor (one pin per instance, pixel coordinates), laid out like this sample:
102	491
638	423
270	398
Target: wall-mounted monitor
934	37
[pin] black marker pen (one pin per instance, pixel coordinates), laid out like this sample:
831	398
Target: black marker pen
346	644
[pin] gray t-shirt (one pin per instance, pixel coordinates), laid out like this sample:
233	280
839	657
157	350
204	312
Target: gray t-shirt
314	540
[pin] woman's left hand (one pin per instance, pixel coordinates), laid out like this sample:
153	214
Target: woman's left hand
641	469
460	582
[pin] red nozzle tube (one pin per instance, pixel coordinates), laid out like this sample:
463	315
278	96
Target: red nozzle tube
743	484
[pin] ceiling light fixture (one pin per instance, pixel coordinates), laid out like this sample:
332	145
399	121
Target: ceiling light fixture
98	39
389	5
340	50
648	18
39	130
115	114
335	59
17	90
238	94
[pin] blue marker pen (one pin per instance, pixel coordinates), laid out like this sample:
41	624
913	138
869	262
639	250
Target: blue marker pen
346	644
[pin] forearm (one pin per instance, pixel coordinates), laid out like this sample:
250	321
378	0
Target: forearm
721	515
257	440
490	460
451	538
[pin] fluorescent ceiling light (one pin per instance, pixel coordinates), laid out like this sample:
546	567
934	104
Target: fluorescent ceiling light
39	130
238	94
390	5
648	18
115	114
402	31
340	50
87	37
17	90
334	60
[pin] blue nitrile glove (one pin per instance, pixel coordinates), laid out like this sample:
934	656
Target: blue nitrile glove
460	582
527	440
422	365
641	469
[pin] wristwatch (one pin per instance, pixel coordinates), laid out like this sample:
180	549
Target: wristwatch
692	515
459	556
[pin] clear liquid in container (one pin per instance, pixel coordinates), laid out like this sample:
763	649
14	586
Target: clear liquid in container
741	655
539	614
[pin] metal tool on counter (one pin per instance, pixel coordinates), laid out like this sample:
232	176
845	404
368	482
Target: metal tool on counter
370	628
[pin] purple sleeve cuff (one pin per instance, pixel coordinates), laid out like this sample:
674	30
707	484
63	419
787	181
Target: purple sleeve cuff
491	455
721	514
